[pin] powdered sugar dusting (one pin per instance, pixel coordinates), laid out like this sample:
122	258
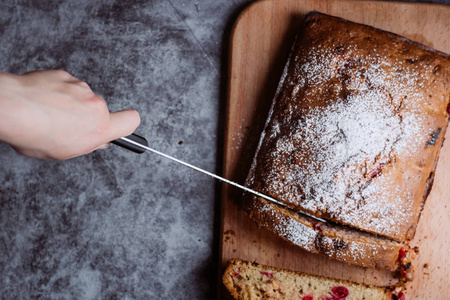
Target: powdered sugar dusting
292	230
345	126
343	244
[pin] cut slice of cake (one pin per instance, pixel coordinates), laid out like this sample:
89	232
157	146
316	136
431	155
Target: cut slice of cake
335	241
251	281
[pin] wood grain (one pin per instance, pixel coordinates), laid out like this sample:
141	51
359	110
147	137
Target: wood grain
261	40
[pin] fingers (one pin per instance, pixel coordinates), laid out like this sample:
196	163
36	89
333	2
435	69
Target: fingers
123	123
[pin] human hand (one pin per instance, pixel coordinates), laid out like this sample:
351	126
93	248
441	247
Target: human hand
52	115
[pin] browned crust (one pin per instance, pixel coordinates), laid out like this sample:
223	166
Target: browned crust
309	17
227	278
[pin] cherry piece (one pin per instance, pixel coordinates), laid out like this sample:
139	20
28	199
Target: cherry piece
340	292
268	274
236	272
400	296
375	172
317	227
402	254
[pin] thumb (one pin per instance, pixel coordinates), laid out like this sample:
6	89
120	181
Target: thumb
123	123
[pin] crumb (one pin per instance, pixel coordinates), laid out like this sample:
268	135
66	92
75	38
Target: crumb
180	142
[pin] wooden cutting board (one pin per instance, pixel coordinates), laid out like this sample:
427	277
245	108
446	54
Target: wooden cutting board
261	40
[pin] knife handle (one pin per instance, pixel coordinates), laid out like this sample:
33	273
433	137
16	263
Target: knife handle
132	147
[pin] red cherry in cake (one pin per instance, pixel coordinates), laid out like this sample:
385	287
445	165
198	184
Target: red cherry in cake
399	296
340	292
317	227
267	274
308	297
236	272
448	108
375	172
402	254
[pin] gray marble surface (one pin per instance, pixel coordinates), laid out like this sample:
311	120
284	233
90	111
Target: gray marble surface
114	224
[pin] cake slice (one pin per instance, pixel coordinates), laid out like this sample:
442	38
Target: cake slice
352	137
342	243
251	281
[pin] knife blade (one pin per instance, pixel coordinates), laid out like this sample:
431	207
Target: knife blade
139	144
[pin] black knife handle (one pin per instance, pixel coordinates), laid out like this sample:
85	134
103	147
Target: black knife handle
132	147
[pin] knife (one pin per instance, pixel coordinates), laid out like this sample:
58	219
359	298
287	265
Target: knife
139	144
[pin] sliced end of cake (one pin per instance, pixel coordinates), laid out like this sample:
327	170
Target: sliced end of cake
246	280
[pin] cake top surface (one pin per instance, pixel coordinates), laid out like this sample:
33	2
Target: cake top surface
356	127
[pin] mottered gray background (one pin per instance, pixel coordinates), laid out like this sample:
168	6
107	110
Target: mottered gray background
114	224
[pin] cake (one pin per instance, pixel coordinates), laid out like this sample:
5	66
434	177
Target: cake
251	281
352	137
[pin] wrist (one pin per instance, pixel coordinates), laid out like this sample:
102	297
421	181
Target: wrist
11	104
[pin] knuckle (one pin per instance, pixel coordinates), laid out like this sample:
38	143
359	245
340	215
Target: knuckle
96	100
69	89
61	74
82	84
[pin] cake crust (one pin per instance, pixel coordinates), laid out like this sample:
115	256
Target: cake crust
355	128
